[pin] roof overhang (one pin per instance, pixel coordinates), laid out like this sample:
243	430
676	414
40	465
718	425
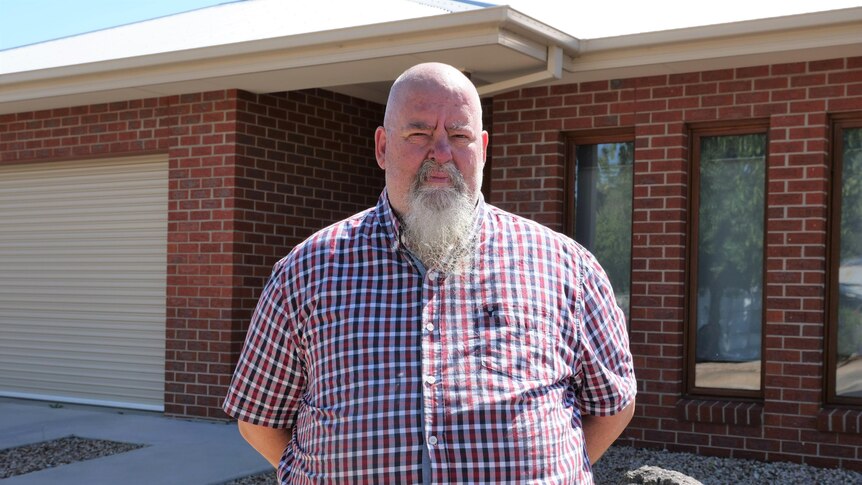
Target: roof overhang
501	48
794	38
492	44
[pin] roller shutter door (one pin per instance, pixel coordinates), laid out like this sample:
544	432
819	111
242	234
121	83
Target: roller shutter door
82	281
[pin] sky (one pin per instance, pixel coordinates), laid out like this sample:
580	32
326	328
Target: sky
24	22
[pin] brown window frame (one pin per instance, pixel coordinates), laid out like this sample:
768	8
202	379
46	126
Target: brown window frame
695	133
838	122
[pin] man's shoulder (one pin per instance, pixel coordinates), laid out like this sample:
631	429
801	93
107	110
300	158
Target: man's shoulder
529	232
360	225
358	229
507	221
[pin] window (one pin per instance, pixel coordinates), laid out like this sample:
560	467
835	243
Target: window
600	204
844	344
726	255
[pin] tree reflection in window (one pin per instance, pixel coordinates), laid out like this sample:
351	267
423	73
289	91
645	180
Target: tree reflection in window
730	234
849	342
603	210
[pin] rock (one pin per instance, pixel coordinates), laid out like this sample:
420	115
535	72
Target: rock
653	475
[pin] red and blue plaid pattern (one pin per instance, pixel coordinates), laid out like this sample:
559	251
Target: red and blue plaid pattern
353	346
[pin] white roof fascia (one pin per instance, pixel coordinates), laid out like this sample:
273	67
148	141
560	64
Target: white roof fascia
734	29
837	29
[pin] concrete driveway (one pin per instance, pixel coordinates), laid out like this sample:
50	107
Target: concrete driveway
178	451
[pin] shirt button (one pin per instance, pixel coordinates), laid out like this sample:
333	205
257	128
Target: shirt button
432	440
429	327
430	380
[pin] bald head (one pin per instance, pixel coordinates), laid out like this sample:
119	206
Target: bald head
430	76
433	116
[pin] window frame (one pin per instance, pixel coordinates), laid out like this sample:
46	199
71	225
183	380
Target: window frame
595	137
838	123
695	133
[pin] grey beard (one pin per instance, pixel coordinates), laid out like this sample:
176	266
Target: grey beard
438	225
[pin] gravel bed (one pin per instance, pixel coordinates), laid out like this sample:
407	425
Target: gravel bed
48	454
268	478
620	460
612	469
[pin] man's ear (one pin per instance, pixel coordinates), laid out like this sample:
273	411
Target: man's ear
380	147
485	140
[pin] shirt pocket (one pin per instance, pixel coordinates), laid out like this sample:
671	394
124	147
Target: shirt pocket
517	341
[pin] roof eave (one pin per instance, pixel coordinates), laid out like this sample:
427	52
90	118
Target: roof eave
529	52
836	33
496	25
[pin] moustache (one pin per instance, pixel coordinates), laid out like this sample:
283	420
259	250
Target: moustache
449	168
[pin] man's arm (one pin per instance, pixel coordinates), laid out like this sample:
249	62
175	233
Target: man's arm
600	432
269	442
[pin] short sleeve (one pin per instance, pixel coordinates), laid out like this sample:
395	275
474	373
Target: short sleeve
606	370
270	377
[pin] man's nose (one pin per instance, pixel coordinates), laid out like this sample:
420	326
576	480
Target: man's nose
441	149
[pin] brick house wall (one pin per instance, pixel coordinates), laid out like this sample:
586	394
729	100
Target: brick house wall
250	176
528	177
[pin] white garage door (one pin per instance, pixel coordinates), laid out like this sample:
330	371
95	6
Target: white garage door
82	281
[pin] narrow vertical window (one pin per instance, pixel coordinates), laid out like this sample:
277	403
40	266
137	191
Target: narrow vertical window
602	207
727	262
845	323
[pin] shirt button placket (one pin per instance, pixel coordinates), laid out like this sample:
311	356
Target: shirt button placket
431	343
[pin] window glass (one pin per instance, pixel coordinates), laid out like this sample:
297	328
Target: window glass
603	210
848	372
729	287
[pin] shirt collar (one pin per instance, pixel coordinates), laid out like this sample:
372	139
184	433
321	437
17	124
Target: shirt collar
388	220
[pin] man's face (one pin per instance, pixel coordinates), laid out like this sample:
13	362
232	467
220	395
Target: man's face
431	122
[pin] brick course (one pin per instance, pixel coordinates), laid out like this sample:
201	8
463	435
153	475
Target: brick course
797	99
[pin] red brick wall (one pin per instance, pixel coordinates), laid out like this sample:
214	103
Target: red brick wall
249	177
791	423
197	132
297	161
304	160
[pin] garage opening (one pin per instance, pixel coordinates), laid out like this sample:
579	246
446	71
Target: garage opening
82	281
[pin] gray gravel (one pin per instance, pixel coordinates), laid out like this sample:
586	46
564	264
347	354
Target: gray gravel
268	478
619	466
612	469
49	454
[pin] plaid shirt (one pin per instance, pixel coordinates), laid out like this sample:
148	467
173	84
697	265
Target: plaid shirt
353	345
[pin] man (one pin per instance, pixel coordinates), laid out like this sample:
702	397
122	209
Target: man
434	338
